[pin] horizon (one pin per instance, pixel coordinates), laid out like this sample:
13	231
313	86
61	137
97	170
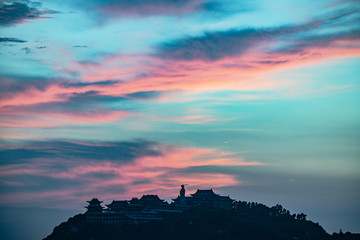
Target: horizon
116	98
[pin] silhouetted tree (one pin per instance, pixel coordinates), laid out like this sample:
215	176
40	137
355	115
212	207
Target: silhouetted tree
301	217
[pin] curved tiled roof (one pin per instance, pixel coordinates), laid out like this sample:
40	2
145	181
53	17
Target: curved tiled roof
207	192
94	201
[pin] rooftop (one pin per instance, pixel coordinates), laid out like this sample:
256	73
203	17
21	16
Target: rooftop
207	192
94	201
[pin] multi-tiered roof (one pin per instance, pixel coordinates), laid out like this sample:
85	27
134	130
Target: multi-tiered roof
94	205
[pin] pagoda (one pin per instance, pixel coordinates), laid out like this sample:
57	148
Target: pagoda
94	206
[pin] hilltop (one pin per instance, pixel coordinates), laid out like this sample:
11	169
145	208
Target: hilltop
246	221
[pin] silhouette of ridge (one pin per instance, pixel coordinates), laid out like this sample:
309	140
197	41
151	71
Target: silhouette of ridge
203	215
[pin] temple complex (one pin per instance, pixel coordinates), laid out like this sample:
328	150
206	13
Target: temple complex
151	207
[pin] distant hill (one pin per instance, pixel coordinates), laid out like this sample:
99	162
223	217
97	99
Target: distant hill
247	221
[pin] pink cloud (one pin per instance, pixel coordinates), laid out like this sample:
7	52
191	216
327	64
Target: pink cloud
137	73
155	174
144	73
233	73
48	120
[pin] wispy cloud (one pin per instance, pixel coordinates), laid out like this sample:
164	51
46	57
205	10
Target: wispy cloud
85	84
111	151
212	46
73	108
19	11
10	86
145	8
144	95
12	40
26	50
135	167
80	46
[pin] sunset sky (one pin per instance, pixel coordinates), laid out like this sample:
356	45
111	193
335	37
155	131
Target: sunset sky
113	99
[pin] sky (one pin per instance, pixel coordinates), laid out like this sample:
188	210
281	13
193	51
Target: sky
114	99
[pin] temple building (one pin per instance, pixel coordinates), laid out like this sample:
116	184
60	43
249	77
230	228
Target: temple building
118	206
94	206
203	199
147	208
151	207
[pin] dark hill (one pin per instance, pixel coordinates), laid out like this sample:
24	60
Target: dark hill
248	221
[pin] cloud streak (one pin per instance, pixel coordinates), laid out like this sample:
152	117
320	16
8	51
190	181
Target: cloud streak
10	86
212	46
74	170
142	8
111	151
12	40
88	107
20	11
